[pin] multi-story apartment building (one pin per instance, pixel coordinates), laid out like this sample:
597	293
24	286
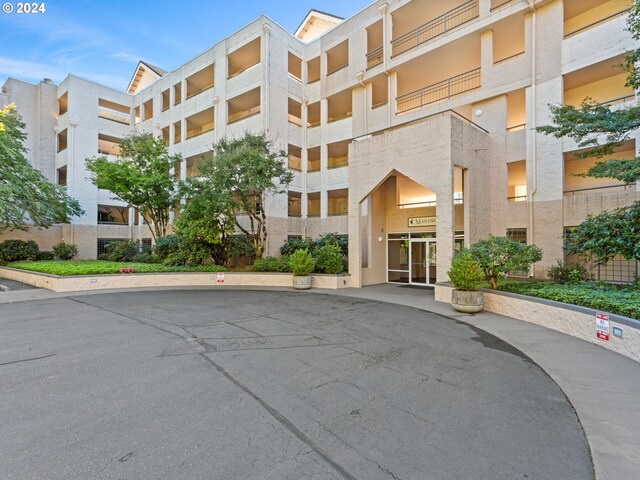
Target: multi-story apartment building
410	126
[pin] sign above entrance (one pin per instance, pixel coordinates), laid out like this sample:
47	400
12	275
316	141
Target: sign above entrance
422	221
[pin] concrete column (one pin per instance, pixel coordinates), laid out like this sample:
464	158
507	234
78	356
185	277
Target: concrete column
324	200
216	129
484	7
355	255
486	57
393	94
444	228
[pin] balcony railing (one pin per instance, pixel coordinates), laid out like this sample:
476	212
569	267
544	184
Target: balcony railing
517	128
496	4
436	27
375	57
437	92
517	198
596	23
622	186
236	117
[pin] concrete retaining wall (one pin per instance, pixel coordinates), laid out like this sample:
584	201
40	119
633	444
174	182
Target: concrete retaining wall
570	319
139	280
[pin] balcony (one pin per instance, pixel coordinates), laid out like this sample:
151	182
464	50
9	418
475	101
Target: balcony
200	123
338	57
294	158
313	159
294	204
109	145
243	58
440	91
434	28
580	18
113	215
200	81
313	204
602	83
338	202
338	154
375	48
517	181
243	106
375	57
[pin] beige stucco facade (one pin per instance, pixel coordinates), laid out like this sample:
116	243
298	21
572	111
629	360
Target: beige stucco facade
418	113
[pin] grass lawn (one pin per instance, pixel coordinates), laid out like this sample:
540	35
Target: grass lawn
621	299
97	267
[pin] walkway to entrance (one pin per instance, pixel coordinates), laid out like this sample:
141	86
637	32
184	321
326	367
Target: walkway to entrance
259	384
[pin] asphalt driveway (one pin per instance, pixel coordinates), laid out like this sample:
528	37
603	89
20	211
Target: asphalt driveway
270	385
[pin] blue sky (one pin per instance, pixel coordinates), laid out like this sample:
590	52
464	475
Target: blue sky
103	40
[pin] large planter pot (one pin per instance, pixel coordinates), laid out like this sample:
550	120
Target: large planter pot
467	302
302	283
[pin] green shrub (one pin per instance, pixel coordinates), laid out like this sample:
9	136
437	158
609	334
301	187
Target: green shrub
271	264
45	255
564	274
341	240
618	299
18	250
498	256
294	243
302	263
329	258
189	253
465	272
166	246
97	267
122	250
65	251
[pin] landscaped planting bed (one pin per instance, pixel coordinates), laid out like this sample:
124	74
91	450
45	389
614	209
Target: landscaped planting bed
619	299
100	267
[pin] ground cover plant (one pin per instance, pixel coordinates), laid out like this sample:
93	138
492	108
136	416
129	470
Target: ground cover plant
620	299
98	267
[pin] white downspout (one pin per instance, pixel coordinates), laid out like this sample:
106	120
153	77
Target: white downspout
534	161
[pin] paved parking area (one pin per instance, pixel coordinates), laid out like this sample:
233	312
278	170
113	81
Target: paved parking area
270	385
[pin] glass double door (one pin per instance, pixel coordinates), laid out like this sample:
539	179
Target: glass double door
422	261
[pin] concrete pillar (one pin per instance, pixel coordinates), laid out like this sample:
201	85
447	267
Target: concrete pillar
355	254
486	56
444	228
484	7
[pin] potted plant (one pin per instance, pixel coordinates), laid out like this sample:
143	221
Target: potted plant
302	264
466	276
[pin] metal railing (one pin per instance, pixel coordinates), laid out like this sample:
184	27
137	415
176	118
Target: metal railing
375	57
517	128
436	27
517	198
598	22
615	101
510	57
587	189
495	4
437	92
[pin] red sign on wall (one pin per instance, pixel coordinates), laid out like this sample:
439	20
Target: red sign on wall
602	326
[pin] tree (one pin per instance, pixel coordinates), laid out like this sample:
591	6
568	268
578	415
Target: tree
498	256
246	171
610	233
26	196
607	235
206	219
141	178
